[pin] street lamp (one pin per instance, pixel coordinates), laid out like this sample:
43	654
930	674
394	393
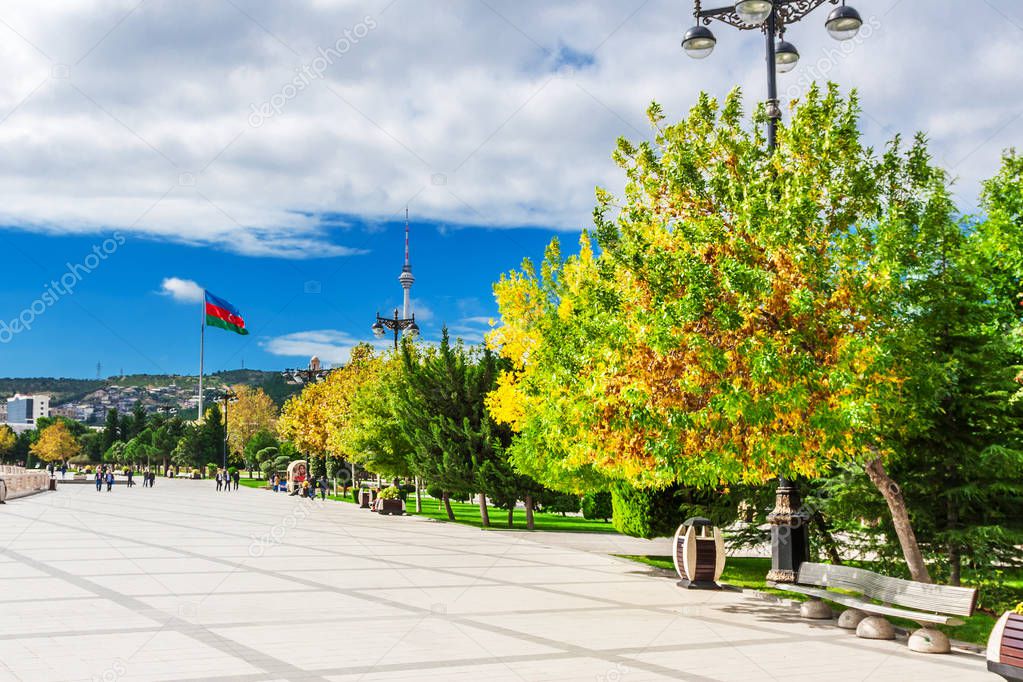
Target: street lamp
790	545
227	395
397	325
771	17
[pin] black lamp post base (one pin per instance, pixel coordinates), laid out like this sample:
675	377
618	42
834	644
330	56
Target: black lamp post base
790	543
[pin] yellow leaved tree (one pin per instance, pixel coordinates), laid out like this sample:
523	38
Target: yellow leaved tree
56	443
316	419
252	411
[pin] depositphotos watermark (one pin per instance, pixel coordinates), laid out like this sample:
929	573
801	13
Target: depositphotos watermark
310	72
58	288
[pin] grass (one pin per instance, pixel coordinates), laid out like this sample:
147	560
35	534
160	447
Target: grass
749	573
468	513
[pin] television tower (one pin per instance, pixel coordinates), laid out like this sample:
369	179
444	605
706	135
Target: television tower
406	277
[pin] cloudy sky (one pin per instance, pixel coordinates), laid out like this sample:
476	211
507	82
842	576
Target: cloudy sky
267	150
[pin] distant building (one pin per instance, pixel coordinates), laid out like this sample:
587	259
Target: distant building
26	409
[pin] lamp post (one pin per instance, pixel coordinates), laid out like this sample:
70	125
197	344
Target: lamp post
395	324
790	544
771	17
228	395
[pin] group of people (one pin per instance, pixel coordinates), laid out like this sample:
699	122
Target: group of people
305	488
226	478
105	474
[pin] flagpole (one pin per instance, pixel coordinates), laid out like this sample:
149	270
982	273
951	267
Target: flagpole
202	351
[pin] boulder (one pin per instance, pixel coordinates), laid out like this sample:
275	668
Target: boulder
875	627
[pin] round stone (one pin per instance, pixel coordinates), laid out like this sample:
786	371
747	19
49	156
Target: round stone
875	627
815	609
929	641
850	618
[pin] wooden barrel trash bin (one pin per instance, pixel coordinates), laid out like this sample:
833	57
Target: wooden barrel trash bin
1005	647
699	554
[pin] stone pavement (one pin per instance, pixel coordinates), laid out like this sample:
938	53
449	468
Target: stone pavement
180	582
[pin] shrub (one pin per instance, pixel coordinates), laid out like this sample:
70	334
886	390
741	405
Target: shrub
232	470
552	501
391	493
597	505
434	491
645	513
79	459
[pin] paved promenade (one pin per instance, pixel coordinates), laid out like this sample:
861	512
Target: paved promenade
180	582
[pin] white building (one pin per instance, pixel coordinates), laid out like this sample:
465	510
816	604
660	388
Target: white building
26	409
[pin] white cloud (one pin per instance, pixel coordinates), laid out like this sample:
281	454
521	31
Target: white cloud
333	347
140	120
423	312
182	290
471	329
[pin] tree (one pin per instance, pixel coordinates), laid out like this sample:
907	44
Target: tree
441	408
115	454
736	323
960	464
8	440
56	443
251	412
136	424
257	443
111	429
316	419
373	436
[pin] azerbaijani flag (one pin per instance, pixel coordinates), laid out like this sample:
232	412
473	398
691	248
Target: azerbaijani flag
220	313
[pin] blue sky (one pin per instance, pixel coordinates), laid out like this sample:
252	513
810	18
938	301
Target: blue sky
118	316
256	146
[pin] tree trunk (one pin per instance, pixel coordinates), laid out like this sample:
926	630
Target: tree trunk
419	498
447	506
900	518
511	517
529	512
484	512
829	541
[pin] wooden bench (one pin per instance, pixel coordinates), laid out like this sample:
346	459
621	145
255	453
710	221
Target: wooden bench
1005	647
922	603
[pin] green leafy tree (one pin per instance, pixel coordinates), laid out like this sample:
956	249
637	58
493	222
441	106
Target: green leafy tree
373	435
111	429
256	444
736	322
441	407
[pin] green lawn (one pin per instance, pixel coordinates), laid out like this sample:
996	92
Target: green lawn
748	573
469	514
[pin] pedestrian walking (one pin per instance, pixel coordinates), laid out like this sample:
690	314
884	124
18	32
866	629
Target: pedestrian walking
220	480
99	480
323	487
131	479
237	479
63	470
110	480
